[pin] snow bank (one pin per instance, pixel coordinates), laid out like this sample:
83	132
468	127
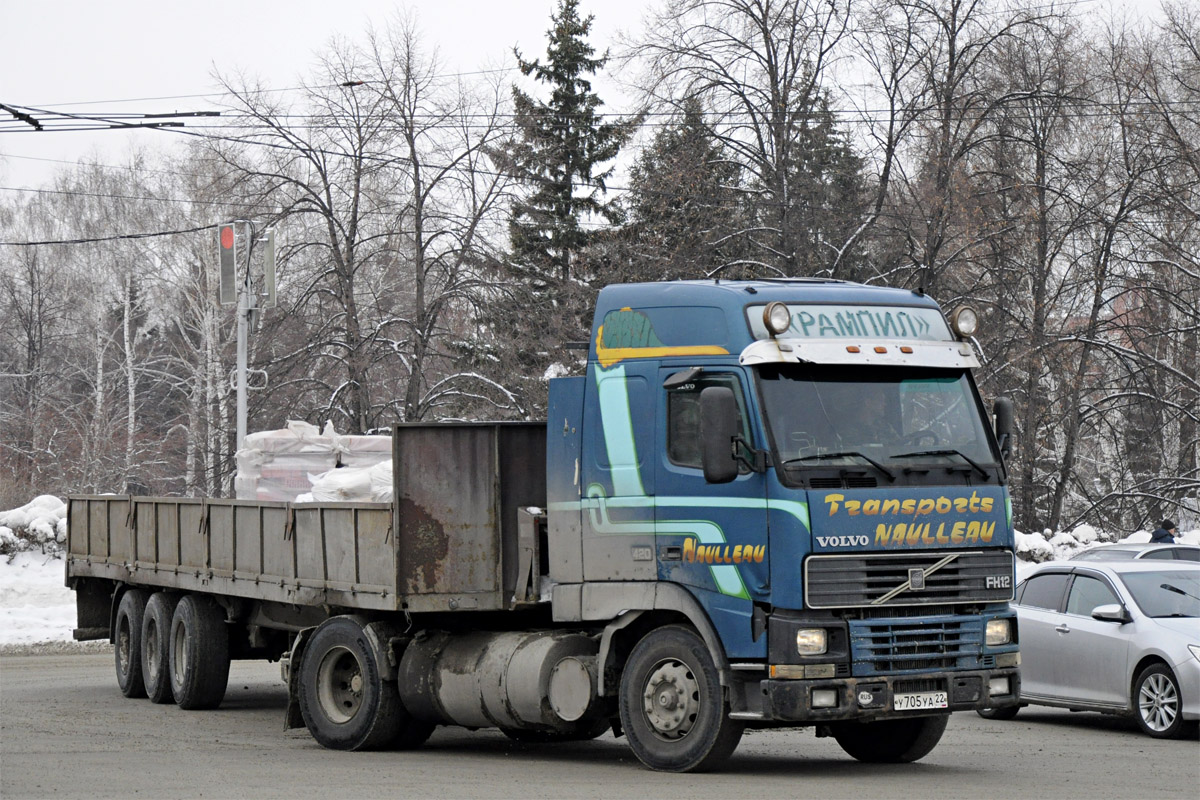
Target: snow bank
35	606
40	524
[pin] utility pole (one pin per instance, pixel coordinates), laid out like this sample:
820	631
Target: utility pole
241	288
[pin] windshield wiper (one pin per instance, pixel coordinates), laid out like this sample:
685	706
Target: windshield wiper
958	453
844	454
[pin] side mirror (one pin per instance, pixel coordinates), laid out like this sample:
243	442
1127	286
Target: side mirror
1113	612
1002	410
718	428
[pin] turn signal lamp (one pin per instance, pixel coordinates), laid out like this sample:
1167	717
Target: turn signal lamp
777	318
964	321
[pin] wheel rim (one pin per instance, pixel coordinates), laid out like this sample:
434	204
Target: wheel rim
123	646
1158	702
179	651
340	685
671	699
150	647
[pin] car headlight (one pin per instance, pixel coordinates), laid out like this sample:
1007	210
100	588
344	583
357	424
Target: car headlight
999	631
1195	648
811	641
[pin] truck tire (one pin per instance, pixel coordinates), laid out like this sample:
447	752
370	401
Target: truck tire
345	703
127	643
672	706
894	741
198	660
156	649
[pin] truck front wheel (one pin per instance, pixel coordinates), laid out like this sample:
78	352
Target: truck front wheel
198	658
344	700
672	706
127	643
895	741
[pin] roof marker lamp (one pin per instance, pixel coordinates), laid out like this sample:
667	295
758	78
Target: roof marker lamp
777	318
964	322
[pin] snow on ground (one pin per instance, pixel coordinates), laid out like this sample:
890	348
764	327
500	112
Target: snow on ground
36	607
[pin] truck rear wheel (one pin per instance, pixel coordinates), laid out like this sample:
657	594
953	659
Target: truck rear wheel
895	741
198	659
673	708
127	643
156	650
345	702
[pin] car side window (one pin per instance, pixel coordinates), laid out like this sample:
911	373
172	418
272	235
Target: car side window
1087	593
1188	554
683	417
1045	591
1163	554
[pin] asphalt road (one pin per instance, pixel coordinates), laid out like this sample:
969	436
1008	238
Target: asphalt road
66	731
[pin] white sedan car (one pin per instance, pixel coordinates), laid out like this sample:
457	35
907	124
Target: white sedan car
1115	637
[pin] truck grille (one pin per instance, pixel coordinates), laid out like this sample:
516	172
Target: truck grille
872	579
930	643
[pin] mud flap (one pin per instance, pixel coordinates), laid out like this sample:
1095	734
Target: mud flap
289	665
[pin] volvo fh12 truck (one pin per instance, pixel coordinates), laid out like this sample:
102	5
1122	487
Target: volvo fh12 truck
772	503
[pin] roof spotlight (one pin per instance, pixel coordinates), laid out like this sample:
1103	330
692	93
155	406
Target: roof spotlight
777	318
964	321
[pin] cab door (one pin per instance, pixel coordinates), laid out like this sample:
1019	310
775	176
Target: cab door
710	537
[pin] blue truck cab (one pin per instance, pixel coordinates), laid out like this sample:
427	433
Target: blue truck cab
802	471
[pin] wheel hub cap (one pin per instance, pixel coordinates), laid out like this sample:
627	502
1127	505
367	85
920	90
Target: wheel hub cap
671	699
340	685
1158	702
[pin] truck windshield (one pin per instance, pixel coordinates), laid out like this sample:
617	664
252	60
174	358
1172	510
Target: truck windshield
893	417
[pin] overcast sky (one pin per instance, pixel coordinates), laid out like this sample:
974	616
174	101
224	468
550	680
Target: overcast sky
86	55
82	55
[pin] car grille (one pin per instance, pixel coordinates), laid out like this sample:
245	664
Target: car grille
914	645
869	580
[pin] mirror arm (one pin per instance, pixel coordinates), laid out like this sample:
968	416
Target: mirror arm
757	462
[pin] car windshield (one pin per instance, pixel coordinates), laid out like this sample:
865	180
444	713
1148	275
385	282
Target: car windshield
1165	594
901	416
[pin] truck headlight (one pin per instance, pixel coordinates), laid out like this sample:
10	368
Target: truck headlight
811	641
999	631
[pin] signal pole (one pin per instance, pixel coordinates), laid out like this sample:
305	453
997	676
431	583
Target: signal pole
232	284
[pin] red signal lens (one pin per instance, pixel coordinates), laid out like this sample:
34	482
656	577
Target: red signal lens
227	237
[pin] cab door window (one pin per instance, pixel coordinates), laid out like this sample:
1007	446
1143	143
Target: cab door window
683	417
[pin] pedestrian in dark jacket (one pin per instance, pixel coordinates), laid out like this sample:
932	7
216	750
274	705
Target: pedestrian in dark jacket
1164	534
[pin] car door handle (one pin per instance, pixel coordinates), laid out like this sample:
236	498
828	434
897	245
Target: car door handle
1062	629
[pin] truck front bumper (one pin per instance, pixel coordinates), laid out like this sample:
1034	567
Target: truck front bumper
873	697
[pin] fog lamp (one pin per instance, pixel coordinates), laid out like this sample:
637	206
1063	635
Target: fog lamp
811	641
824	698
777	318
964	321
999	631
998	686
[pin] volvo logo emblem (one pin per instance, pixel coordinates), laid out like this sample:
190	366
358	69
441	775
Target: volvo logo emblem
916	579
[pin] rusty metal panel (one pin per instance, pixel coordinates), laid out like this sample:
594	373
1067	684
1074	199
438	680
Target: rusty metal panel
457	491
447	509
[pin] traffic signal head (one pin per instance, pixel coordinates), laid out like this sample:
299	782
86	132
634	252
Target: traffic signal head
227	246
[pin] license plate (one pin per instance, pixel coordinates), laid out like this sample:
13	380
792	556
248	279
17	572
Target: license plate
919	700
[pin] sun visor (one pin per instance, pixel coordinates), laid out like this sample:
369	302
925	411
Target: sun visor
890	352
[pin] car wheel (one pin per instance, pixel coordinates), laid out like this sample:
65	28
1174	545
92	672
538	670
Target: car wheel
1006	713
1158	704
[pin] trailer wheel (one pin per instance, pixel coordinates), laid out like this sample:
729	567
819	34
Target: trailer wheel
344	700
896	741
672	706
198	658
156	649
127	643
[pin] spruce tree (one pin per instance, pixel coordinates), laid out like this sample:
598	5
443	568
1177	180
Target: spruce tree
562	148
